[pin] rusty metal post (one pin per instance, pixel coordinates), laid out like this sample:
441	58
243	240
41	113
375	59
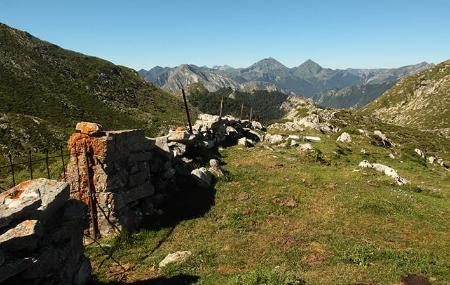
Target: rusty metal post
242	111
46	163
187	110
92	203
62	160
30	164
11	167
221	107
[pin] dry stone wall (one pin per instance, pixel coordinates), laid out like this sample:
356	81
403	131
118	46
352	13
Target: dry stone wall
123	177
41	235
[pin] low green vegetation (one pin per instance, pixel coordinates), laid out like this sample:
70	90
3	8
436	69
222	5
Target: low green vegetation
285	217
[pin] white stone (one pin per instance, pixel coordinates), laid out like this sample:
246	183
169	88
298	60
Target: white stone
312	139
345	138
179	256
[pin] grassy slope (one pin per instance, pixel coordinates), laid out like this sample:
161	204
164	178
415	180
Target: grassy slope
421	100
348	225
59	87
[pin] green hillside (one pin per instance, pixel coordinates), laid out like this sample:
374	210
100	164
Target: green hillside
45	90
421	100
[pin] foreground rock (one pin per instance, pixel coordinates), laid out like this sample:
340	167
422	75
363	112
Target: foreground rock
385	169
41	235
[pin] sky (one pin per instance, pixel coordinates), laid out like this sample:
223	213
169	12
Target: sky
336	34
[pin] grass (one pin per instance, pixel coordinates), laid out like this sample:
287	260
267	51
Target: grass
282	217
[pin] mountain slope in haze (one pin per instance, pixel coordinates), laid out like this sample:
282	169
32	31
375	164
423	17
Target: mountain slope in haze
359	86
43	86
421	100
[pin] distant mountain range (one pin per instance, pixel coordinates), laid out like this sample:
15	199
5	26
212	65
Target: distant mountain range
327	87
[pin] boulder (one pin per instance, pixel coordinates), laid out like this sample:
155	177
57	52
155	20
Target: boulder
431	159
420	153
345	138
23	237
273	139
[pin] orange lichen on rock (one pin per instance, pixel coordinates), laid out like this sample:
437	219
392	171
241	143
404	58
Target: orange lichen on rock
88	128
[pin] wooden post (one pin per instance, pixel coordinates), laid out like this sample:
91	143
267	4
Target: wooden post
11	166
251	113
242	111
221	107
46	164
62	160
187	110
30	164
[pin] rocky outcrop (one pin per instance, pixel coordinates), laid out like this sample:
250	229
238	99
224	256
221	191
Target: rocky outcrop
41	235
389	171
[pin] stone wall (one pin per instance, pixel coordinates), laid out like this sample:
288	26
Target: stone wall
123	176
41	235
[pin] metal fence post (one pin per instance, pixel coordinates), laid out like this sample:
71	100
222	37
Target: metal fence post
11	166
30	164
187	110
46	163
242	111
62	160
221	107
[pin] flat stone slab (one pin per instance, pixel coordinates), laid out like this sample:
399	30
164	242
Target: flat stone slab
24	236
34	199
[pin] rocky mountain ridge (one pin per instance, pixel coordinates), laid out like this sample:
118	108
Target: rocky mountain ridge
308	80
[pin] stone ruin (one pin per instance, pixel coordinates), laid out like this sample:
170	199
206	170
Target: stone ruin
123	177
41	235
114	180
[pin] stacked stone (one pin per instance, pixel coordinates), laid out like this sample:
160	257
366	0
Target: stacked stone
110	172
123	176
41	235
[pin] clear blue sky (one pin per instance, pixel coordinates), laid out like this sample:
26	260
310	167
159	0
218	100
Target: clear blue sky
336	34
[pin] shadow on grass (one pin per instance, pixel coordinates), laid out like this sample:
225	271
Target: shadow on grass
182	279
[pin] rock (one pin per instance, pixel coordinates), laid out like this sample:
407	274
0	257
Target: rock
32	199
23	237
382	139
245	142
253	135
215	168
273	139
431	159
2	258
178	136
179	256
420	153
202	176
305	147
385	169
391	155
15	267
209	144
88	128
294	137
345	138
311	139
257	125
83	276
294	143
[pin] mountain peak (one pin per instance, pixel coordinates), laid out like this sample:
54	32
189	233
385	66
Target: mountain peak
269	63
311	65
